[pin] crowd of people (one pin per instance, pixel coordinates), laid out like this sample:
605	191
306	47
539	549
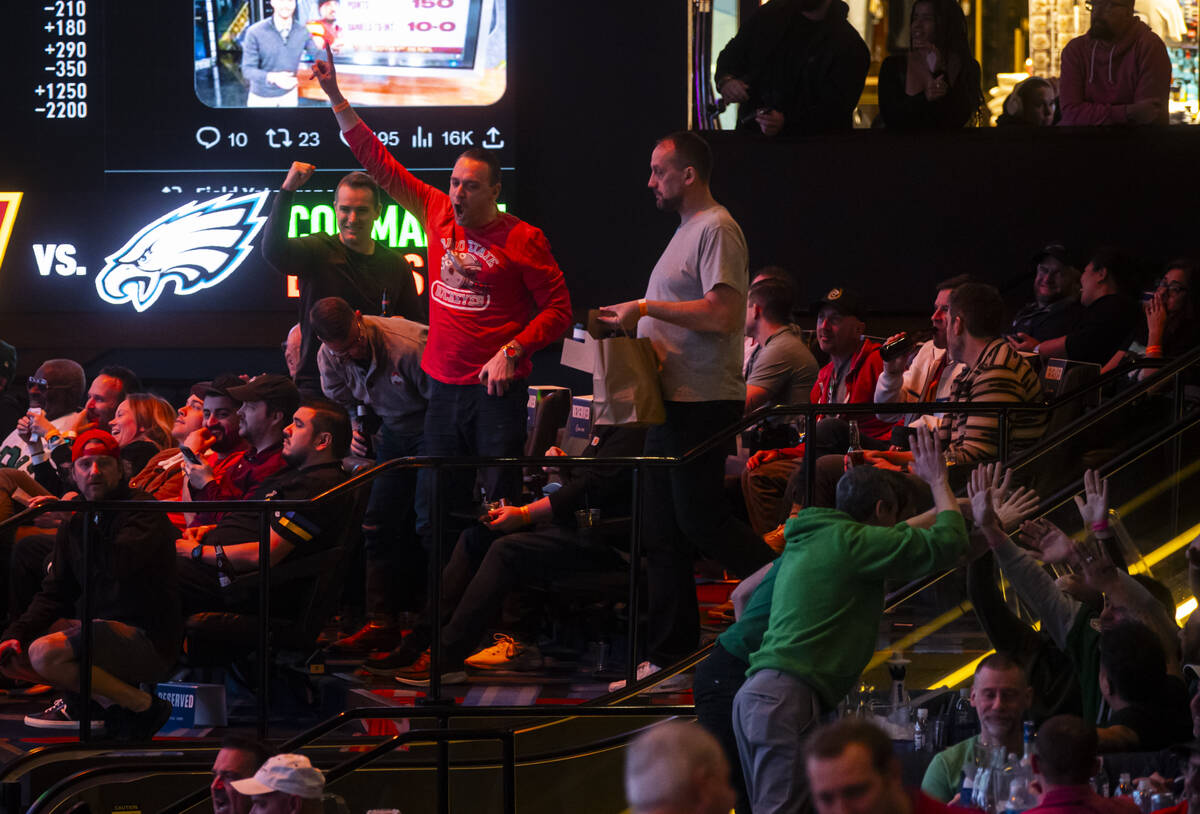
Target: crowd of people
809	605
798	67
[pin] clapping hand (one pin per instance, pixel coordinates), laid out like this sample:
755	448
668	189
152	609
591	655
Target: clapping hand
927	463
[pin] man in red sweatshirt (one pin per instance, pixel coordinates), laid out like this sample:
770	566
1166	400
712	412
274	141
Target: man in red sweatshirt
496	295
1116	73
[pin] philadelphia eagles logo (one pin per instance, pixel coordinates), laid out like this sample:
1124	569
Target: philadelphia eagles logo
194	247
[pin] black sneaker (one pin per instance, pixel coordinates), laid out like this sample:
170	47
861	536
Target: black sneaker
403	656
141	726
57	716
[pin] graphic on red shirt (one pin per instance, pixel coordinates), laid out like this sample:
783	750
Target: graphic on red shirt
459	287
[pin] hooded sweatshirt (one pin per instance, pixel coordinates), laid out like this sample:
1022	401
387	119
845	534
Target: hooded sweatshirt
1100	78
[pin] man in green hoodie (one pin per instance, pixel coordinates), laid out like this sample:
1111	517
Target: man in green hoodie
825	612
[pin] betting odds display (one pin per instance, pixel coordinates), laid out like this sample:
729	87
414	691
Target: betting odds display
144	140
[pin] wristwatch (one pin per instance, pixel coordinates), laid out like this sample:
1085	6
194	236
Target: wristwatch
512	351
198	552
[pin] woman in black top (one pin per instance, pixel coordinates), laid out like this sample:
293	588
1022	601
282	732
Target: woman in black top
142	426
935	84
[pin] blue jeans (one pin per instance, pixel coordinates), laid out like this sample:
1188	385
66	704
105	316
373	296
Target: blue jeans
395	560
463	420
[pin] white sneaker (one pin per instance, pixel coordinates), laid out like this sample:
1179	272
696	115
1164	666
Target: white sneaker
507	654
676	683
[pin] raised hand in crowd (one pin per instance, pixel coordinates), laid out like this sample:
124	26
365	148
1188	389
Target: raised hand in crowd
1048	540
298	175
1093	504
929	464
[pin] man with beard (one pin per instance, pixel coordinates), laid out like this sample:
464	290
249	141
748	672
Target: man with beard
496	295
796	67
1116	73
1001	696
693	314
267	404
931	373
135	606
1055	309
313	446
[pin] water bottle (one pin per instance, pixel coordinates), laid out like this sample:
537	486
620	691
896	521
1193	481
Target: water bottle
222	567
921	740
1027	754
1020	798
855	450
1125	785
1143	795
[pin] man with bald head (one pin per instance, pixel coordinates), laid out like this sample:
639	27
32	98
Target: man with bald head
677	768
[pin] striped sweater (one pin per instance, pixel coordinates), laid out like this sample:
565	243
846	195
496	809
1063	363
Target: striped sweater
1000	374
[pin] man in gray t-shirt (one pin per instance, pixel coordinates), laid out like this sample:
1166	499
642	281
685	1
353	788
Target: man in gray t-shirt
780	369
693	314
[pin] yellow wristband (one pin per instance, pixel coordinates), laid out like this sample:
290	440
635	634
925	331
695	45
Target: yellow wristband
642	307
342	105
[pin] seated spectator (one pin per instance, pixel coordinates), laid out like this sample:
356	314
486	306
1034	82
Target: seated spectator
56	388
930	374
1190	752
218	442
1111	315
676	768
781	369
1171	328
1001	697
515	545
314	444
239	758
852	767
849	377
1065	763
285	784
935	84
162	476
267	404
1055	310
13	403
50	450
825	612
142	426
291	350
135	605
991	372
375	362
1032	103
795	67
1118	72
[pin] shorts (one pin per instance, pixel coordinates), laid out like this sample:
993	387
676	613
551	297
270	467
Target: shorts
122	650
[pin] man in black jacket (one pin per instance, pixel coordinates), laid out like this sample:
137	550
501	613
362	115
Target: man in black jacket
796	67
135	606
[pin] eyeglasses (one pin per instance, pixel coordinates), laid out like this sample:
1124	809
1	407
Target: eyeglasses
359	339
34	383
1173	288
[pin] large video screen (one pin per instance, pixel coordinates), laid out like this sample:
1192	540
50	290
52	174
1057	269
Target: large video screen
146	139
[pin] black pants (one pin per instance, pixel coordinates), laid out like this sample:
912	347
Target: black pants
717	680
687	513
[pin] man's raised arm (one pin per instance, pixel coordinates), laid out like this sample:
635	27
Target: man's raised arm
389	173
285	256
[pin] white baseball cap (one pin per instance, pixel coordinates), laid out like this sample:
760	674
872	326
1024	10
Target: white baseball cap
291	774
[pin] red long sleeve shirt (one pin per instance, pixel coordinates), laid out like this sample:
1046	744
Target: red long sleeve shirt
487	286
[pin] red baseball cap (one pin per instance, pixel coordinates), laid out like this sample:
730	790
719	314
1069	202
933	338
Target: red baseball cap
95	442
